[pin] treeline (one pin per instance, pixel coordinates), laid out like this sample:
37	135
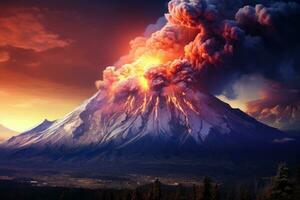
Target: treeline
281	187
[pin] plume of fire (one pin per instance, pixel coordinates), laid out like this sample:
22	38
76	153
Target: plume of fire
177	54
186	53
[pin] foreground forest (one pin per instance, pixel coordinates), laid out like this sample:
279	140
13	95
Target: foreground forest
285	185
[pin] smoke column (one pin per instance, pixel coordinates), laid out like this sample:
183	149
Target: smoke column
209	45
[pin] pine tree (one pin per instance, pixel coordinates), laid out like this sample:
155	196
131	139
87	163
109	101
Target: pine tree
127	195
216	193
231	195
157	190
298	175
281	187
62	195
155	193
195	192
207	189
136	195
244	194
179	192
262	196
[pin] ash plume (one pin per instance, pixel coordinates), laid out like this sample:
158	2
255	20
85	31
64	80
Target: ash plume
209	45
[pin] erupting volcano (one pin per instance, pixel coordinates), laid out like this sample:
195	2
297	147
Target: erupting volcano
146	124
159	99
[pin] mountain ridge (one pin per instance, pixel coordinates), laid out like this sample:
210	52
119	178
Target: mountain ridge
147	125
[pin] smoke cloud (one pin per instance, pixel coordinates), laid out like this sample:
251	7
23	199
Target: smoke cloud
207	45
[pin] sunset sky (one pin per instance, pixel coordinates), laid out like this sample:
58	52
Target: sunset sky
51	53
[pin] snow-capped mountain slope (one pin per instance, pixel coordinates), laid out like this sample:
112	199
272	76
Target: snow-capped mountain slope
28	135
146	123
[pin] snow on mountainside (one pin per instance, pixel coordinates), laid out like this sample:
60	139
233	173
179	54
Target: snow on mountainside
147	123
31	133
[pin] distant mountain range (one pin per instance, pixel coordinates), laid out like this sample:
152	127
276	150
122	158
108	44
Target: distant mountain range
6	133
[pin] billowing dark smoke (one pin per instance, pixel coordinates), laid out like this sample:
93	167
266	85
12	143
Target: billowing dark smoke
209	45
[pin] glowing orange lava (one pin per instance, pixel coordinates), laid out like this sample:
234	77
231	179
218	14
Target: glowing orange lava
138	68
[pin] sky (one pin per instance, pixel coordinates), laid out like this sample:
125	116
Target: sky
52	52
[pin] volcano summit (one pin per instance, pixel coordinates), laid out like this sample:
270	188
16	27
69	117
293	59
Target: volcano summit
158	101
146	125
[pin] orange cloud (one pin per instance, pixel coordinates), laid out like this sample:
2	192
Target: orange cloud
22	28
48	75
4	56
